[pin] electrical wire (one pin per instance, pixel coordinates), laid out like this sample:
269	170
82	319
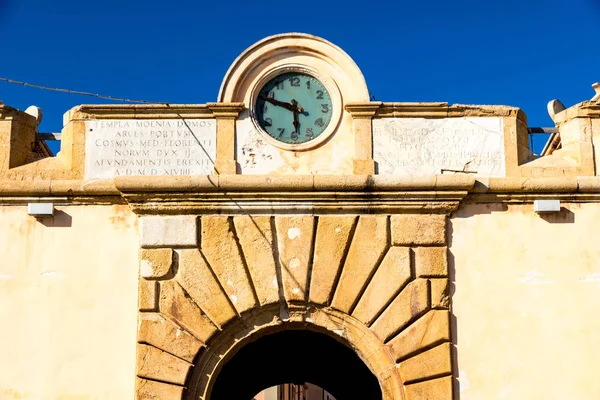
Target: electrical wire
78	92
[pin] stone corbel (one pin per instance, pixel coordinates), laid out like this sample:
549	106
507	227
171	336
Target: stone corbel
226	115
362	114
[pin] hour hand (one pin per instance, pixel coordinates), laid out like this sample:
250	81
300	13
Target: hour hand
279	103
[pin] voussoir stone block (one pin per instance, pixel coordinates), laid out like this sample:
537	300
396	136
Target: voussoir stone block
168	231
196	278
418	229
392	274
294	242
255	234
178	306
369	245
223	254
155	263
412	301
153	390
159	365
431	328
431	261
435	389
161	333
433	362
333	233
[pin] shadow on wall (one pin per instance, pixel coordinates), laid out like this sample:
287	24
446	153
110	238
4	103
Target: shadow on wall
453	320
564	216
60	219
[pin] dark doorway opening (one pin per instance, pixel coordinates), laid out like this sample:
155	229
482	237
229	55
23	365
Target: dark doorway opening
296	356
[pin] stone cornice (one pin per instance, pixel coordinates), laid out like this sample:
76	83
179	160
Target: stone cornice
238	194
363	110
586	109
302	194
443	110
226	110
142	111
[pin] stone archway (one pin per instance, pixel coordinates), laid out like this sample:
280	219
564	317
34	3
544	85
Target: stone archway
296	356
325	332
211	283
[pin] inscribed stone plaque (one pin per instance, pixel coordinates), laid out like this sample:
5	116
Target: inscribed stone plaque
420	146
149	147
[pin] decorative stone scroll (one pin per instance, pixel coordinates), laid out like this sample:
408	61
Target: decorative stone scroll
149	147
420	146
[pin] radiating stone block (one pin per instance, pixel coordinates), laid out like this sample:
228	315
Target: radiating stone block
392	274
294	242
256	238
153	363
333	234
431	328
222	252
433	362
412	301
161	333
195	276
435	389
369	244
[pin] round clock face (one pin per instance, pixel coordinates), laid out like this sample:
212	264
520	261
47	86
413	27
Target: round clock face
293	108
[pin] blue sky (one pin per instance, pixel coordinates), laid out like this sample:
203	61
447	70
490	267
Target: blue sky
515	52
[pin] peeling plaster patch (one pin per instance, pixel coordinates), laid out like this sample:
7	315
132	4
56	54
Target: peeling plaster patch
5	276
338	229
294	263
178	333
274	281
463	380
595	277
229	282
234	299
534	277
146	268
295	290
339	332
294	233
53	273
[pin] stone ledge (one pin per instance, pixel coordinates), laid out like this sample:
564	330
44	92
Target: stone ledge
294	183
147	111
444	110
374	185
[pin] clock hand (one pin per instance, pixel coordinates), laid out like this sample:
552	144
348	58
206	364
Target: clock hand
296	123
279	103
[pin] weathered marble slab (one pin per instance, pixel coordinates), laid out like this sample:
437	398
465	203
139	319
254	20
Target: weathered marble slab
149	147
419	146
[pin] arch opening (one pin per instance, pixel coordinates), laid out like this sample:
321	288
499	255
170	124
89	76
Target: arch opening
296	356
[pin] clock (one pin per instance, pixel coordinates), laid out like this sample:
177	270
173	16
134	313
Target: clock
295	109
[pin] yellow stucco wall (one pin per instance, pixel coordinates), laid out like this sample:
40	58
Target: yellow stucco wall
68	303
526	302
